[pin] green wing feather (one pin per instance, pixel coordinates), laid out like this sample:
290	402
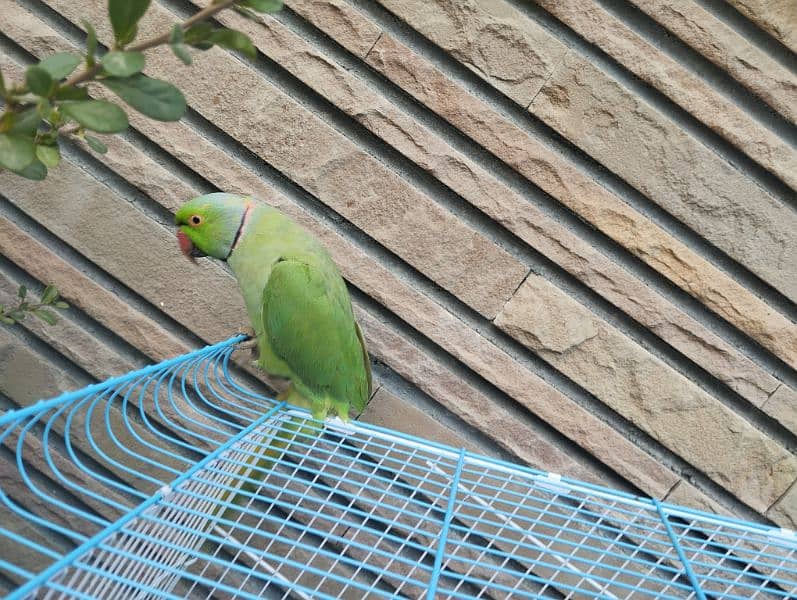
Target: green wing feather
309	323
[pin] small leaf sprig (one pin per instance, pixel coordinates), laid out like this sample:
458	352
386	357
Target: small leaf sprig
11	315
53	101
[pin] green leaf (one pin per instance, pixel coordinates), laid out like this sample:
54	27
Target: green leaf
91	42
35	171
16	151
49	155
123	64
247	12
22	292
176	36
39	81
96	144
181	52
97	115
61	304
71	92
264	6
7	320
197	33
233	40
125	15
17	315
26	122
60	65
49	294
45	315
156	99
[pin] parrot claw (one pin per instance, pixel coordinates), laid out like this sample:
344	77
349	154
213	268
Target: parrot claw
248	332
250	344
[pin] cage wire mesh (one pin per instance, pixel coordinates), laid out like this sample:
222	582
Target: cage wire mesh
155	484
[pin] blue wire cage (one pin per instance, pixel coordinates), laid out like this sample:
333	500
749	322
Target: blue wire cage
146	486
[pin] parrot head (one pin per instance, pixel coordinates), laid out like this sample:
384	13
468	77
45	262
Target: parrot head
210	225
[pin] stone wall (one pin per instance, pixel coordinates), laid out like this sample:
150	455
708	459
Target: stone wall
570	228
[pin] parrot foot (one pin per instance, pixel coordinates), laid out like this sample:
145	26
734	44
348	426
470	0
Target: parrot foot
250	344
248	332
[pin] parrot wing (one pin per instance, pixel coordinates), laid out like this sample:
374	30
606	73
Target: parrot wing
308	320
367	362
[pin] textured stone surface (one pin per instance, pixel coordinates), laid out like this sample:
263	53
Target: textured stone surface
331	167
641	388
69	339
387	410
784	513
684	87
492	38
26	377
782	405
341	22
777	17
672	169
468	403
444	351
686	494
530	157
159	272
428	317
729	50
475	184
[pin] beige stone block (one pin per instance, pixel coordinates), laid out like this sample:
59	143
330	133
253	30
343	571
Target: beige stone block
784	512
490	37
69	339
141	253
468	403
685	494
729	50
674	170
85	294
782	405
428	317
388	410
340	21
658	400
777	17
513	211
334	169
689	90
535	161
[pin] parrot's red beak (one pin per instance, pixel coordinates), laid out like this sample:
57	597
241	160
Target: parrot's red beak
186	246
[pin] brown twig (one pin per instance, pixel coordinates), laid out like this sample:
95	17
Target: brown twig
205	13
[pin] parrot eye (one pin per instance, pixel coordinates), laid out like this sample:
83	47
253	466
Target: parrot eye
196	220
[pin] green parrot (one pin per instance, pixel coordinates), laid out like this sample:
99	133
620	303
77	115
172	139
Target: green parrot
297	302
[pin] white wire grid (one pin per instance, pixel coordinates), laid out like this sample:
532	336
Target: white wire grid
344	511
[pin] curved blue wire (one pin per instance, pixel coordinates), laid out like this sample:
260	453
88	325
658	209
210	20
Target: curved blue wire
245	413
162	449
202	426
264	401
137	455
66	481
128	489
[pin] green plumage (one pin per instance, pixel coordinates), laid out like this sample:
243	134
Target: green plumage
297	301
299	308
301	313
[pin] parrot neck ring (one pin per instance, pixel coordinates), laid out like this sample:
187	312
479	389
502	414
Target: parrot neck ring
241	227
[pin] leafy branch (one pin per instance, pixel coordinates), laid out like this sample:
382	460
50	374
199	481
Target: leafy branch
10	315
53	101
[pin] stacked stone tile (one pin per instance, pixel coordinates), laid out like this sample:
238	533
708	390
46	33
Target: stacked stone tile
570	228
